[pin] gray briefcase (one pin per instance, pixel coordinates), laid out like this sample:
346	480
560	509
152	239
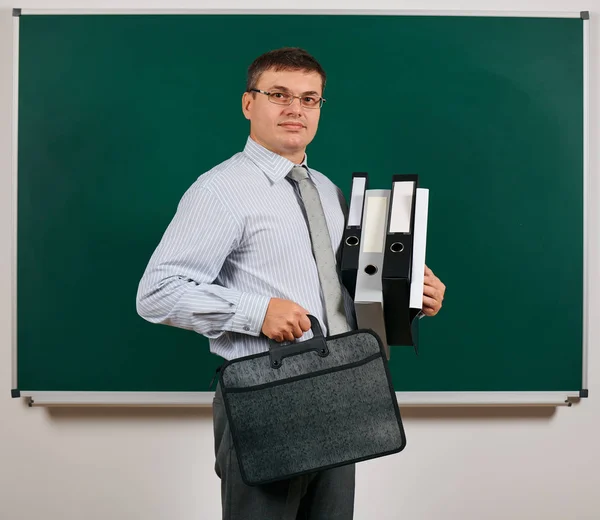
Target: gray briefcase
310	406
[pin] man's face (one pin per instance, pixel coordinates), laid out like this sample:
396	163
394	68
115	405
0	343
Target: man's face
285	130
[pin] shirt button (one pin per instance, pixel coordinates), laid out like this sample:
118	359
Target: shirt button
246	328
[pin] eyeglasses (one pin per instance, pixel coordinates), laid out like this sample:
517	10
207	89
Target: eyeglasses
285	98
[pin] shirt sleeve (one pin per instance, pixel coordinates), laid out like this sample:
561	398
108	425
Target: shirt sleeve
178	286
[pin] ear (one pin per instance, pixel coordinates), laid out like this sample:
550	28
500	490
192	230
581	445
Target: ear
247	101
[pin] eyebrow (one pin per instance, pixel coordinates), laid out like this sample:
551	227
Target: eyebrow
281	87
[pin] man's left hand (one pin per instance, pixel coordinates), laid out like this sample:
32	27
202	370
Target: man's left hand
433	293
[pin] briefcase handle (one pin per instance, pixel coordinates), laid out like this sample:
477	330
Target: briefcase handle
316	343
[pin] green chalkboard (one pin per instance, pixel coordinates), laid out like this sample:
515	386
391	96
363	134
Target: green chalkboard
119	114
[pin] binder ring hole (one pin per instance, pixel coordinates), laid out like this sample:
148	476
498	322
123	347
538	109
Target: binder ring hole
370	269
397	247
352	241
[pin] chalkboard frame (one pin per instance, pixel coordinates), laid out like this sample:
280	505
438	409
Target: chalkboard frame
51	398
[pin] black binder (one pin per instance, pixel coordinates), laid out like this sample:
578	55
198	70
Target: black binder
310	406
353	231
401	326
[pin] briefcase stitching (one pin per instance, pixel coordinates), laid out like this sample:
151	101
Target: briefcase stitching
280	382
266	355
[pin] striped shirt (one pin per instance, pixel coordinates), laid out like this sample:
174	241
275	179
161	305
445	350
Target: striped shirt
238	238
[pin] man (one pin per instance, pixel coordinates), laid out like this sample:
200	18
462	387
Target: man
236	264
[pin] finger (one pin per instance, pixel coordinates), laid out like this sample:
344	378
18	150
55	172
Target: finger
277	337
436	286
288	336
429	289
304	323
430	279
297	331
432	292
431	303
428	272
432	306
428	311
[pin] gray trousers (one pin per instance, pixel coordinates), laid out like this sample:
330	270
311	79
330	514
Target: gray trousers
325	495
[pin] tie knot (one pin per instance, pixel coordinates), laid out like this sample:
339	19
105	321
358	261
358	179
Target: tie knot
298	173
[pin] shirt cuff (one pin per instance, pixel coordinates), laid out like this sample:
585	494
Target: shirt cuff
250	314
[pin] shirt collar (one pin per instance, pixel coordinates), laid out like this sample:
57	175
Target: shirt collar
273	165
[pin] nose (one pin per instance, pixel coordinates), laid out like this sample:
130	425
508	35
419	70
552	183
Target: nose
295	108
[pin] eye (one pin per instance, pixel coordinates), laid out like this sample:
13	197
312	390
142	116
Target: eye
280	96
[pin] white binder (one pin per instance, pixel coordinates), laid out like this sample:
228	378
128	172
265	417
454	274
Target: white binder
368	298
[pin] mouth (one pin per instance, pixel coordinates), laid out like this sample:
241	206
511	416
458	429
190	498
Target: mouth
292	125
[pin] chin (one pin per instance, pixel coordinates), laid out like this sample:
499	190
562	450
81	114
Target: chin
294	144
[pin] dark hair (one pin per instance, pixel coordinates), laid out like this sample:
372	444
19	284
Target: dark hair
286	58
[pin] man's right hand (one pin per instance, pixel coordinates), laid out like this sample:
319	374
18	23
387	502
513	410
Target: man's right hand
285	320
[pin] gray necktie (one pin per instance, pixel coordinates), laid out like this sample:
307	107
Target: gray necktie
323	252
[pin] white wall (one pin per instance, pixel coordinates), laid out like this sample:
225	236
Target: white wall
467	464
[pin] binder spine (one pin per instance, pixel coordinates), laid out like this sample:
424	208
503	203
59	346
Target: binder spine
351	242
350	253
397	264
399	245
368	300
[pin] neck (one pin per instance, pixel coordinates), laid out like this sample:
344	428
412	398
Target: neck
296	156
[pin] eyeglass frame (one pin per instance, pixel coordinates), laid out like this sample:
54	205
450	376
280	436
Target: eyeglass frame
268	94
